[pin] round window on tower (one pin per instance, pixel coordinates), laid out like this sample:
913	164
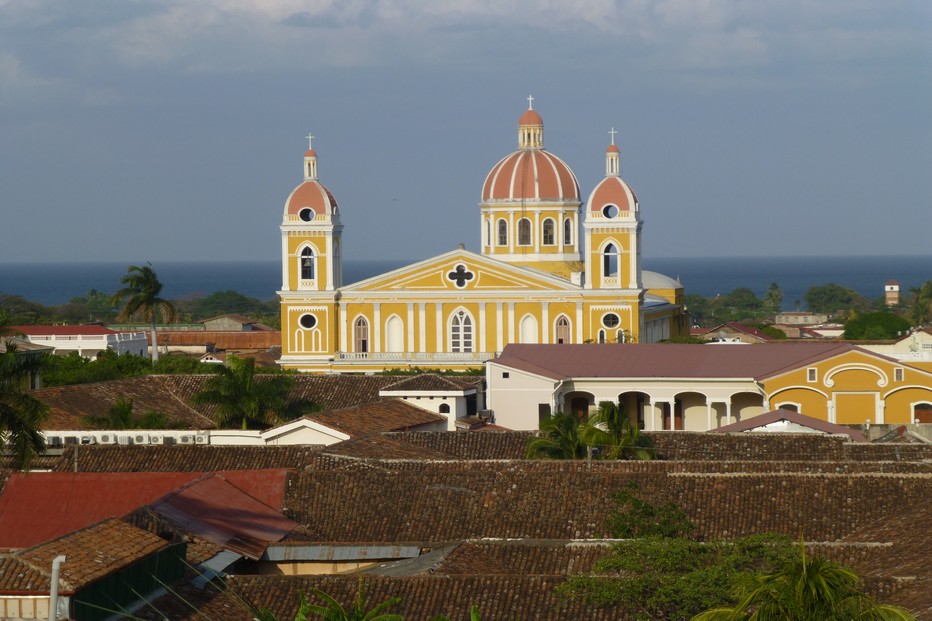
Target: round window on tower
307	321
610	320
610	211
306	214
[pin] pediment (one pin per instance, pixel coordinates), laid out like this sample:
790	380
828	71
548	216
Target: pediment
462	271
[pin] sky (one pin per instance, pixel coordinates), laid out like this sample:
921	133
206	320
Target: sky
174	130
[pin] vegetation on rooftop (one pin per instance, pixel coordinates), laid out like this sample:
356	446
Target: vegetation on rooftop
21	414
607	434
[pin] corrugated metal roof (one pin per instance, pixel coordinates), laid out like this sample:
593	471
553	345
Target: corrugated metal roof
768	418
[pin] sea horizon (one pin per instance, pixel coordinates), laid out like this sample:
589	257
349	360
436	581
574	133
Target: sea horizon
50	283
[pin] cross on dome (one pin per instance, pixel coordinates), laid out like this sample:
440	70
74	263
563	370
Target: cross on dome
613	132
310	137
530	102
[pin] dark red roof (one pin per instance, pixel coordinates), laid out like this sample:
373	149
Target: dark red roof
664	360
40	506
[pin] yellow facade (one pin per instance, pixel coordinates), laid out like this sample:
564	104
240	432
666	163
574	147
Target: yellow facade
529	284
854	388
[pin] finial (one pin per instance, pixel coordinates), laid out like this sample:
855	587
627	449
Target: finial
310	138
530	102
613	132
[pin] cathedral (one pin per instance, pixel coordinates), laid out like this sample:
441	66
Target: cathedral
551	269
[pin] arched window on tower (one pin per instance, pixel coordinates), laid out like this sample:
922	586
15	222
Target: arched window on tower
488	233
547	237
307	264
502	232
568	232
461	332
524	232
361	335
610	261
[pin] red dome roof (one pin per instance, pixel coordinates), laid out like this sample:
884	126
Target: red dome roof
531	174
613	148
312	194
530	117
613	191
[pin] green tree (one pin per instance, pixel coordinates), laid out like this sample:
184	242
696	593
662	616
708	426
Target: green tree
140	297
244	400
805	589
920	306
635	517
614	437
558	439
830	298
120	416
773	298
333	610
21	414
875	326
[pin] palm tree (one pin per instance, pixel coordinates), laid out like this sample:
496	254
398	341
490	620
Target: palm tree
806	589
616	438
774	298
246	401
21	414
559	439
140	296
332	610
120	416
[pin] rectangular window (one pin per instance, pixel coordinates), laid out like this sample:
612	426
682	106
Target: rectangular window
811	375
897	375
506	375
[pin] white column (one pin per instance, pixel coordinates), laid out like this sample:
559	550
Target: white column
511	322
377	328
545	323
286	267
878	420
439	308
579	322
330	266
480	343
558	231
653	414
537	231
499	327
422	326
708	415
830	407
728	411
410	327
341	310
512	233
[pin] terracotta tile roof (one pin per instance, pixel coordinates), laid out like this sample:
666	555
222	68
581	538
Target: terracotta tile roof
522	558
235	340
81	499
386	414
178	458
664	360
18	576
92	552
793	417
432	382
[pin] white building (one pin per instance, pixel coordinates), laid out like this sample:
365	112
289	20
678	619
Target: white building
85	340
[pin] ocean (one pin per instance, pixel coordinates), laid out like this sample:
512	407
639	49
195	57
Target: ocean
51	283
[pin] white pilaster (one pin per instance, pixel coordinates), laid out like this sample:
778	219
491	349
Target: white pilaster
499	328
409	329
511	322
376	345
422	326
439	315
481	344
545	323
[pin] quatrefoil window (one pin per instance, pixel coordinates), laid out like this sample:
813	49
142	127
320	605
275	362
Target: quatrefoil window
460	276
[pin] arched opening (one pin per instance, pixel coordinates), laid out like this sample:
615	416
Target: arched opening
488	232
502	232
610	261
568	232
528	329
561	331
578	404
361	335
789	407
639	408
461	332
307	264
524	232
394	334
922	413
693	412
444	408
547	235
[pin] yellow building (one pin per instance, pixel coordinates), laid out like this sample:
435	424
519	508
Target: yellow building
552	269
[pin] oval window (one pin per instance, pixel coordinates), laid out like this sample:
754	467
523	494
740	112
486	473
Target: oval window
610	320
308	321
610	211
306	214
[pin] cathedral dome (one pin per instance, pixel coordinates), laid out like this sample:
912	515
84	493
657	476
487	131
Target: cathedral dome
612	195
311	194
530	173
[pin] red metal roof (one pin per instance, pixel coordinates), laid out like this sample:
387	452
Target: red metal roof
40	506
664	360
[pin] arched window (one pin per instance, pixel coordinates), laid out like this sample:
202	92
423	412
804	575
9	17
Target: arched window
547	237
610	261
601	336
524	232
461	332
361	335
444	408
562	331
528	329
488	232
502	232
394	334
568	232
307	264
